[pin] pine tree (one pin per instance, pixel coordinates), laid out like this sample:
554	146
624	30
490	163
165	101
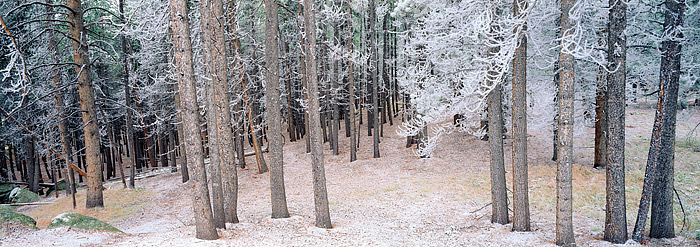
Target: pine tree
521	204
87	104
323	218
278	197
182	47
565	127
615	209
211	51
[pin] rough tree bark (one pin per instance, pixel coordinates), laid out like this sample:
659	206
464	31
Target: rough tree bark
31	164
182	47
334	101
662	194
521	204
373	73
615	209
222	160
565	127
181	137
227	159
600	159
213	80
499	196
87	104
278	198
323	217
351	86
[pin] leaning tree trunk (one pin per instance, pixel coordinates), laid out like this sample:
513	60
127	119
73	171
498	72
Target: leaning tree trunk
615	209
262	167
323	217
565	127
662	195
87	104
521	204
278	198
182	47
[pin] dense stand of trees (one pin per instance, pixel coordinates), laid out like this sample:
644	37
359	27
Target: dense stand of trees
197	87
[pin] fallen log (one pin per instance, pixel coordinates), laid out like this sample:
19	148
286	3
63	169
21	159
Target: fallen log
251	153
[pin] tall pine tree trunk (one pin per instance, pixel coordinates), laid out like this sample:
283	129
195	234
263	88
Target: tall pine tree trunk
521	204
662	195
334	101
565	127
182	46
615	208
87	104
351	87
499	196
322	213
214	83
278	198
373	73
659	169
127	101
227	158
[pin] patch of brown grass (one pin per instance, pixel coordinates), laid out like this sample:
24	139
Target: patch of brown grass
119	205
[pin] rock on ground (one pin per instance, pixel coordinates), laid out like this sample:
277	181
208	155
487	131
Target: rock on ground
80	221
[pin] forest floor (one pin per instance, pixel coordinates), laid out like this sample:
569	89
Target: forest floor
397	200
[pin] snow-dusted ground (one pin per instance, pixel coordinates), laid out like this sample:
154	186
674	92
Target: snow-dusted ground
397	200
